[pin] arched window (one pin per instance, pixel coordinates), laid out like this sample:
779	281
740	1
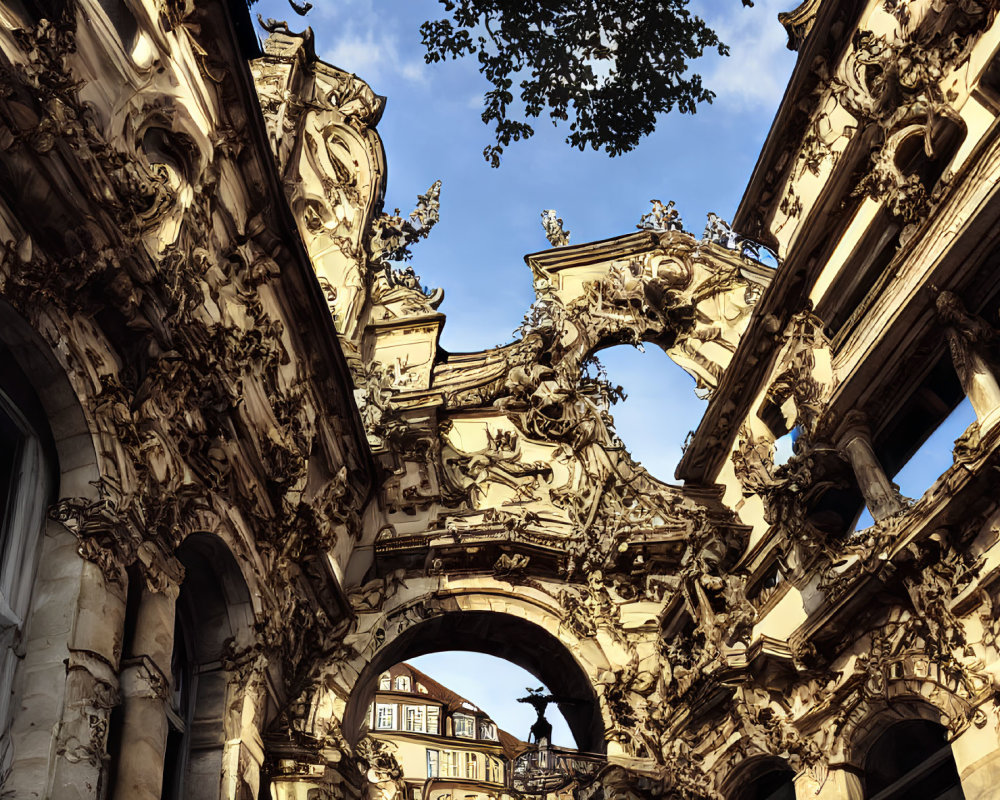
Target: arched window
25	487
402	683
762	779
912	759
775	785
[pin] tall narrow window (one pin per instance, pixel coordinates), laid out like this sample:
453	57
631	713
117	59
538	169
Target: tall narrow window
179	716
433	719
465	726
449	764
414	719
384	682
471	766
432	763
402	683
385	716
24	496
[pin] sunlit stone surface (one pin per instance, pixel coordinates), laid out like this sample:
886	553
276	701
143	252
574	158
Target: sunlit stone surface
241	480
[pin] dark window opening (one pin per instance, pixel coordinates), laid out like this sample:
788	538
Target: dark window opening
770	414
989	85
123	21
923	411
37	10
179	714
859	276
912	759
776	785
911	155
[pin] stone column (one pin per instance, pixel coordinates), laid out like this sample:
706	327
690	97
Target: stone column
968	337
855	441
92	688
146	685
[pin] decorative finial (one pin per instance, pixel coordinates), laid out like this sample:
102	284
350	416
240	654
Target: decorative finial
554	228
661	218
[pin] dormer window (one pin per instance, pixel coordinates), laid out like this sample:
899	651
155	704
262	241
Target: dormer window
384	682
402	683
487	730
465	725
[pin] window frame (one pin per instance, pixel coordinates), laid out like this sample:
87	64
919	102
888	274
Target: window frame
488	730
390	709
411	714
464	719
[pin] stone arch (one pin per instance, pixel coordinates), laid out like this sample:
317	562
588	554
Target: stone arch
691	298
498	620
904	736
908	696
62	412
881	717
743	781
68	616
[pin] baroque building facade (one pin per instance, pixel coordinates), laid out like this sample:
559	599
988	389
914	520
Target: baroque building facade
241	480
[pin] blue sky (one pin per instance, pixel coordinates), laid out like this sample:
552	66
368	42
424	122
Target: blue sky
490	218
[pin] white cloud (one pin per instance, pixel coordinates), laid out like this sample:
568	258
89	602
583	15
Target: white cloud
365	41
754	75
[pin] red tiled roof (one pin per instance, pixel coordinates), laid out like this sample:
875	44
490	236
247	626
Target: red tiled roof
452	701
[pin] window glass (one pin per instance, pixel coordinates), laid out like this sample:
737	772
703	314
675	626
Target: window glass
385	716
464	726
432	763
471	766
433	719
414	719
402	683
449	764
11	438
384	682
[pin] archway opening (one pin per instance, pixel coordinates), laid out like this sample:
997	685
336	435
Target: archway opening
660	408
457	734
504	636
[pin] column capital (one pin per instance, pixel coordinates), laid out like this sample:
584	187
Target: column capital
164	574
141	677
854	425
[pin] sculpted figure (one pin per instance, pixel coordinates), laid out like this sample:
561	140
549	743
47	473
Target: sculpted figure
971	341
